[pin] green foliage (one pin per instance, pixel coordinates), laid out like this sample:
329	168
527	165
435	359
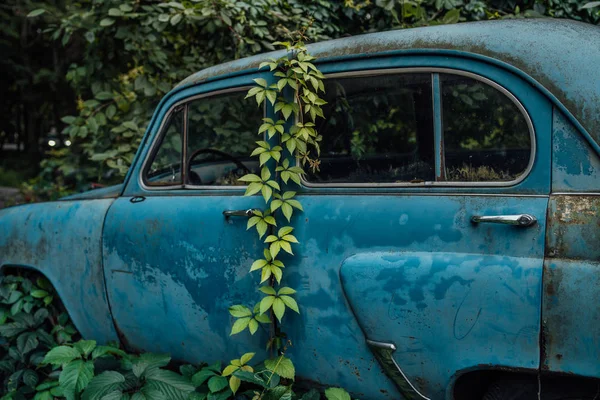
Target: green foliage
31	323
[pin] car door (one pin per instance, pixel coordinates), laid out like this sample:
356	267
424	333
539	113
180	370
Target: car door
423	231
173	261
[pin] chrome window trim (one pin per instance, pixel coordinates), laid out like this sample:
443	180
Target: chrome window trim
160	133
432	71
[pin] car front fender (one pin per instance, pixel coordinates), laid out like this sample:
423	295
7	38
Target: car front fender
63	241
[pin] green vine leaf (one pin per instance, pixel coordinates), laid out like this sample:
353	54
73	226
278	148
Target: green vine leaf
265	152
287	109
262	91
287	204
288	79
268	267
336	394
278	301
271	127
282	241
237	365
249	319
282	366
261	221
286	172
261	184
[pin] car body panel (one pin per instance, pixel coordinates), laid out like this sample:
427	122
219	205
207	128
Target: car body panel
571	279
109	192
62	240
418	274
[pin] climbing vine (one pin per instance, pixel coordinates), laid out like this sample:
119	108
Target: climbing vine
297	105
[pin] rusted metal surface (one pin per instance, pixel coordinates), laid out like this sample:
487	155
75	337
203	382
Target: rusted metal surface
571	289
575	165
62	240
573	228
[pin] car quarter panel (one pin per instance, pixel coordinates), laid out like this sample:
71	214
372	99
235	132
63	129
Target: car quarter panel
570	316
62	240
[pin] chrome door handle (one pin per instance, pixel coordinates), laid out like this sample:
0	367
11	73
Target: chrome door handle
518	220
239	213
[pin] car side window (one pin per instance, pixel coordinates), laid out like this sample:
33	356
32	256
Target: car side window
165	168
377	129
222	132
486	135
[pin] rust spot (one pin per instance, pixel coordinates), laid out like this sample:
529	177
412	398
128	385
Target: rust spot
559	357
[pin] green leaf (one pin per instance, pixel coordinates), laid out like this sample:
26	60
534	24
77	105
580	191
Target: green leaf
266	303
312	394
246	358
267	290
76	375
282	366
27	342
278	308
239	325
260	82
253	188
170	384
284	231
250	178
61	355
234	384
285	290
274	248
201	376
85	347
102	384
287	211
240	311
30	378
230	369
253	326
148	362
250	377
100	351
290	302
68	120
104	96
36	13
592	4
258	264
175	19
336	394
107	22
217	383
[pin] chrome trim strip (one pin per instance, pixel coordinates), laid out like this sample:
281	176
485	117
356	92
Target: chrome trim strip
383	353
160	134
428	184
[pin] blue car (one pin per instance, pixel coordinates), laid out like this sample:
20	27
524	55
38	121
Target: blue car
450	239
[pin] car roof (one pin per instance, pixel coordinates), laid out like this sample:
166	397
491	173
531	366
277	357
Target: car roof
561	57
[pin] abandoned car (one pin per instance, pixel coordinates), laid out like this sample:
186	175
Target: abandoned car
450	240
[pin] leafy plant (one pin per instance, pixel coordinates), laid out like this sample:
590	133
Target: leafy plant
31	323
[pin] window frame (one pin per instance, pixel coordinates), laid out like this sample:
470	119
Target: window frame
439	153
157	140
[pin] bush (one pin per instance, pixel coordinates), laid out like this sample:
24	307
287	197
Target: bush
43	358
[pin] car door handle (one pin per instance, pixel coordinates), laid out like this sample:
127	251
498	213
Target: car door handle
518	220
239	213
